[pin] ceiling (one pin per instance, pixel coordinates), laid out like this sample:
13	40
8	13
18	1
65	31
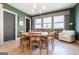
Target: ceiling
49	7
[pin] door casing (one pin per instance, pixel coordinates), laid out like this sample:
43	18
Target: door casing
29	23
15	21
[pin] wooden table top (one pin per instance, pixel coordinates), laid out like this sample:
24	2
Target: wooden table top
33	33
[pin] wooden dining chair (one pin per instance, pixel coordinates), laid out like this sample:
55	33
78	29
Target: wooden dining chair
24	42
55	35
44	42
34	40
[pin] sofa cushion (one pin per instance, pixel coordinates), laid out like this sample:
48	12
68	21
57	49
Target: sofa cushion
70	32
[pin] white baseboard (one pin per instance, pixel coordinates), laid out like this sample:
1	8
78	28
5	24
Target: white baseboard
17	41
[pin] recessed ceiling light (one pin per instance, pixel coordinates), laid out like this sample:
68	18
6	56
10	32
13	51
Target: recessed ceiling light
35	6
33	11
44	7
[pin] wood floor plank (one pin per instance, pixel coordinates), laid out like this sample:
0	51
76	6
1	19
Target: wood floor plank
60	48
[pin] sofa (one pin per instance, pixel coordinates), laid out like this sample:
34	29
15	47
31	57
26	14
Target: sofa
67	35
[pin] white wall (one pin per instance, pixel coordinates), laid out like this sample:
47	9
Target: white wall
1	24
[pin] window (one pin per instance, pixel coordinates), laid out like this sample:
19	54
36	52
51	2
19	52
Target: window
47	23
58	22
38	23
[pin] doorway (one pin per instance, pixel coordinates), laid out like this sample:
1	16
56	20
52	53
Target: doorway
9	26
27	25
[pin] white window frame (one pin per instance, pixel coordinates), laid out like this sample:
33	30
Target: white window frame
38	23
47	23
57	22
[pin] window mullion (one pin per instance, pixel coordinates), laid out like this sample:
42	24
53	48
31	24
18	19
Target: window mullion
42	23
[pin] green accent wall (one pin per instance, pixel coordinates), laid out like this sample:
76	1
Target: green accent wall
20	14
76	11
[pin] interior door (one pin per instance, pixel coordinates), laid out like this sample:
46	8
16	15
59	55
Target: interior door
9	26
27	25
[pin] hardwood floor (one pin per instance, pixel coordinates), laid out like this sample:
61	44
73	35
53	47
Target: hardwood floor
60	48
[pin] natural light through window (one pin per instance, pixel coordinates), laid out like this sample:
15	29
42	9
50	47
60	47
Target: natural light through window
38	23
47	22
58	22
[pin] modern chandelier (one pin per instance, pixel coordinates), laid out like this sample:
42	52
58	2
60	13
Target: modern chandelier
37	8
